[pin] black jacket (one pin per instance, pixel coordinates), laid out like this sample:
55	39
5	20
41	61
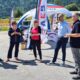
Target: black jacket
14	38
75	42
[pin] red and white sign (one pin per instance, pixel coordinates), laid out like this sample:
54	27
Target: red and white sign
42	13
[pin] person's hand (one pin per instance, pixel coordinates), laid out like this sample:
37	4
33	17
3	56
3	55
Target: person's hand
67	35
36	34
17	33
32	35
13	33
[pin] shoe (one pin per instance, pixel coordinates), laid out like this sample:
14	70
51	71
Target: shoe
7	60
53	62
36	59
63	63
16	59
40	60
1	60
74	72
76	78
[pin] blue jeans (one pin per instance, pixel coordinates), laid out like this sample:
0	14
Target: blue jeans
62	42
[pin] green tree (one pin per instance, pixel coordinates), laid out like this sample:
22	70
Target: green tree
17	13
72	7
59	2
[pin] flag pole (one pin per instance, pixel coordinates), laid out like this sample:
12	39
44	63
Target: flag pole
36	15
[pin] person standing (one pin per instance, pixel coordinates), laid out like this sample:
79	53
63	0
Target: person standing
14	34
75	44
63	29
36	40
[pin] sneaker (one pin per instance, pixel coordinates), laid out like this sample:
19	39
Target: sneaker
62	64
40	60
74	72
36	59
16	59
53	62
7	60
76	78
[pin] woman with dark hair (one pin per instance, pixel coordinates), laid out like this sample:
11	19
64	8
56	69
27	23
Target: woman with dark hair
14	34
36	40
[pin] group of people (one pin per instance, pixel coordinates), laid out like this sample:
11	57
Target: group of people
64	32
16	34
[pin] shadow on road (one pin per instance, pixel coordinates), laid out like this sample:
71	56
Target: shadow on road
26	62
7	65
30	62
60	65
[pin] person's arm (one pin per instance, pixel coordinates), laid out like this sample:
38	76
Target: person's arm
73	35
39	29
10	33
19	32
31	33
75	32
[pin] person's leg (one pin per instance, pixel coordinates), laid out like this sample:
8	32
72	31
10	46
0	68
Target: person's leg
10	51
16	50
34	49
39	49
78	62
74	51
64	43
58	45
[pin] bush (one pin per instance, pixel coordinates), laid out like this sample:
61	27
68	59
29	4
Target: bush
18	13
72	7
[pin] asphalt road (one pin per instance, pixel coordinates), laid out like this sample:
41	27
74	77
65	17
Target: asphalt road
28	69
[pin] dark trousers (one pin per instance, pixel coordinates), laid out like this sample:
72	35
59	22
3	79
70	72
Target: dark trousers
62	42
11	49
36	45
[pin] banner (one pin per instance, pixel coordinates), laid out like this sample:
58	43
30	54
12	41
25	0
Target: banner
31	24
42	14
11	17
52	35
54	21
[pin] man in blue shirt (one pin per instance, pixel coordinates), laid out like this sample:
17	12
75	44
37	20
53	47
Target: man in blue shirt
63	29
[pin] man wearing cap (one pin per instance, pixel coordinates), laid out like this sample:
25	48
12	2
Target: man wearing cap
63	29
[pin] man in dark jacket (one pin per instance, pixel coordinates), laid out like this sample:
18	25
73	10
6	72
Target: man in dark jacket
15	35
75	44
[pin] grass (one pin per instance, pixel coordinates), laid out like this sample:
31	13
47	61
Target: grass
5	22
4	28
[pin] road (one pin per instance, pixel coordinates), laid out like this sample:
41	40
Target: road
28	69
